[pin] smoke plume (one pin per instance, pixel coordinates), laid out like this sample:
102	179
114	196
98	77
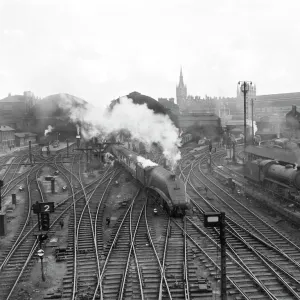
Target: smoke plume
48	130
143	124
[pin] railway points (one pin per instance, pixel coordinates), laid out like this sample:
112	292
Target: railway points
160	255
211	206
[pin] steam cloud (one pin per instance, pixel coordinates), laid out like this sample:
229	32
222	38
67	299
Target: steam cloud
143	124
254	127
78	129
48	130
249	123
146	162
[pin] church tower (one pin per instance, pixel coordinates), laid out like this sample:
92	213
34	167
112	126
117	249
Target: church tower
181	92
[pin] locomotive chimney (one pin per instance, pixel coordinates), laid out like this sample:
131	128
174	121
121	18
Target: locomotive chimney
173	176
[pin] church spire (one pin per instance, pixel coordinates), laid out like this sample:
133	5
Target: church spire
181	91
181	77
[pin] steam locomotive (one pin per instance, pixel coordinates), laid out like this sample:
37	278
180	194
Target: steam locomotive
161	184
282	179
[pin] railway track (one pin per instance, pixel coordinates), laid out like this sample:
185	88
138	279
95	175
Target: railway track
257	250
11	267
24	244
84	267
250	188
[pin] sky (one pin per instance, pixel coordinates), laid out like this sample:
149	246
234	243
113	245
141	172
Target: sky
99	50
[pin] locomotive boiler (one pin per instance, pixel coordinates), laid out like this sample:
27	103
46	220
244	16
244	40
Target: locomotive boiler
271	174
160	183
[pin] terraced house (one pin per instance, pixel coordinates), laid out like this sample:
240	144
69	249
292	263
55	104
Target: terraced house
7	137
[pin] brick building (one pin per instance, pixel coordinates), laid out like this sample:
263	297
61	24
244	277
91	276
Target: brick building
14	108
200	119
7	136
23	138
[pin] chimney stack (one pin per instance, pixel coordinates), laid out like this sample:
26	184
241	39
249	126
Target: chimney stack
294	109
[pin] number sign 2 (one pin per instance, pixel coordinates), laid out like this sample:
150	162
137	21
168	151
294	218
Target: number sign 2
47	207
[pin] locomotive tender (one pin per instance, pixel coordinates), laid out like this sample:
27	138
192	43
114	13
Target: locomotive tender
160	183
280	178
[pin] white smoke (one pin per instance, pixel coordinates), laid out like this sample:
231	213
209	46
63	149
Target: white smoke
48	130
146	162
143	124
249	123
254	127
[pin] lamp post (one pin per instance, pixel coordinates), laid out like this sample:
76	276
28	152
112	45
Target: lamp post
245	88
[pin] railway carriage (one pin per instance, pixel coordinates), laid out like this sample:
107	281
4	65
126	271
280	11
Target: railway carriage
161	184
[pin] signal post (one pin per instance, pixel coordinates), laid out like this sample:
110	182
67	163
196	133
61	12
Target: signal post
217	219
43	211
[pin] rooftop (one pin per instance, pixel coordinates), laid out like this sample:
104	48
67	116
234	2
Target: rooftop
285	99
6	128
23	134
14	98
291	157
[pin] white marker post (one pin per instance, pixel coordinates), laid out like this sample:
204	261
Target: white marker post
41	255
